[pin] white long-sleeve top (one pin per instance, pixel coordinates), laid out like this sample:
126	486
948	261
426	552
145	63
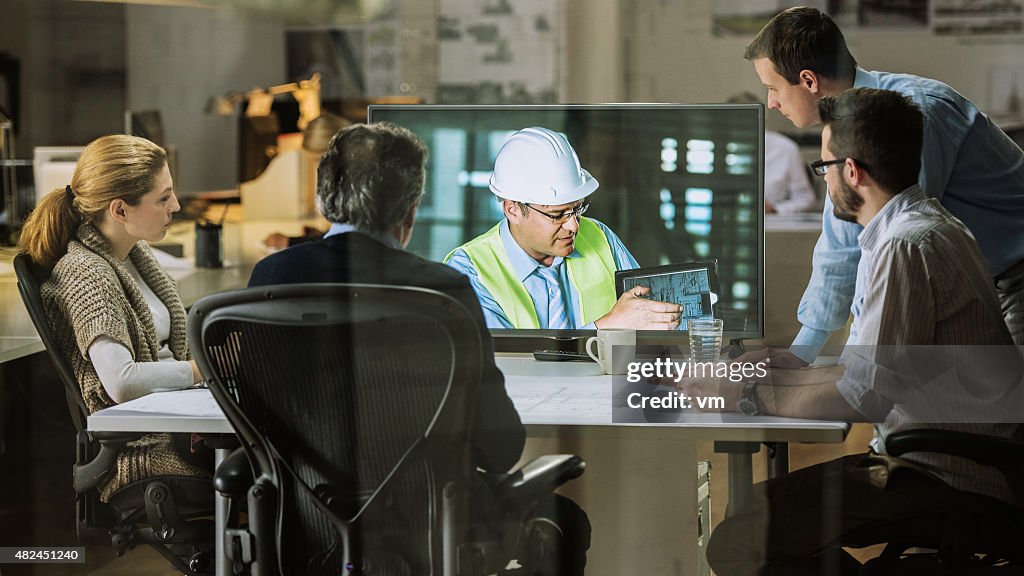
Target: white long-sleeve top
125	379
786	184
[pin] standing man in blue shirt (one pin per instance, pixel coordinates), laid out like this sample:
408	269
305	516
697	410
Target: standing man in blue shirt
545	265
967	163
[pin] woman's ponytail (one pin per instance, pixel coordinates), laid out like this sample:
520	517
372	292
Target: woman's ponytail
50	226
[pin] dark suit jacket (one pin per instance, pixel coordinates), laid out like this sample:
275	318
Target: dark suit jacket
498	433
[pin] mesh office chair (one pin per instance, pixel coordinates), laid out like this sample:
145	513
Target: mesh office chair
978	535
163	512
353	402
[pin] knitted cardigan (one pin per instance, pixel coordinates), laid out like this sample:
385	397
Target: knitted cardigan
91	294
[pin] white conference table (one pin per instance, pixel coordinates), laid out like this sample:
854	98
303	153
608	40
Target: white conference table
554	399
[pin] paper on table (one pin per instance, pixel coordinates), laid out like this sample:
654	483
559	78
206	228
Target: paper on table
561	400
192	402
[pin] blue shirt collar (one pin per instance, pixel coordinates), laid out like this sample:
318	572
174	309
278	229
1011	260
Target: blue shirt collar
384	238
865	79
522	263
899	204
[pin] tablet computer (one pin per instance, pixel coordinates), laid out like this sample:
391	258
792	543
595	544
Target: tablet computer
692	285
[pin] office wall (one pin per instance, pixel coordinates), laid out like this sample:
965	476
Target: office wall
72	81
180	57
177	58
595	51
639	51
676	57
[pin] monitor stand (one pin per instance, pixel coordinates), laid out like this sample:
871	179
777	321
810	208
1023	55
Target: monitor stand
736	348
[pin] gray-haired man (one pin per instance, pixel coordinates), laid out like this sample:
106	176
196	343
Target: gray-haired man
369	186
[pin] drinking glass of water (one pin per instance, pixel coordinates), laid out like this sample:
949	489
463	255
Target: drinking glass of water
705	339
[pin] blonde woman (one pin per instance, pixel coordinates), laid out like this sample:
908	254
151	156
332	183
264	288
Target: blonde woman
116	313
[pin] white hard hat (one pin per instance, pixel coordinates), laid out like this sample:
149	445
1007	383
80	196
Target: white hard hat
538	166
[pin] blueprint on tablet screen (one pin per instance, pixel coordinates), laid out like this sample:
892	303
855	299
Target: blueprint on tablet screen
691	289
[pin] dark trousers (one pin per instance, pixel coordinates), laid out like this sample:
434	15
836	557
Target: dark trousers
562	527
799	521
554	525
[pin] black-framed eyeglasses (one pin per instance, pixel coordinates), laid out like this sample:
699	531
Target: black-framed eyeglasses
820	167
564	216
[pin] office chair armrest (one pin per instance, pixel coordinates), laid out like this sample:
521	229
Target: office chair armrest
1003	453
87	476
539	477
234	475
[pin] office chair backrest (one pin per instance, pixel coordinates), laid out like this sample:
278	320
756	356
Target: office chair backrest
31	277
365	393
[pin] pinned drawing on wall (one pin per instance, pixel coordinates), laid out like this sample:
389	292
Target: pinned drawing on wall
499	51
978	17
746	17
885	14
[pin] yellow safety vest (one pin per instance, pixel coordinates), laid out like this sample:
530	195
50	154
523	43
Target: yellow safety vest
592	273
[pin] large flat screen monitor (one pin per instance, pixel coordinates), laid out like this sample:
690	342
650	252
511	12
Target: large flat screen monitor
677	184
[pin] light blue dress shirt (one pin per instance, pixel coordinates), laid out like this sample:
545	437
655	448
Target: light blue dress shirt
968	164
528	271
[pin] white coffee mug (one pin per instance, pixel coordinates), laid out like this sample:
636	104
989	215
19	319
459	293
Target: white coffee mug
620	340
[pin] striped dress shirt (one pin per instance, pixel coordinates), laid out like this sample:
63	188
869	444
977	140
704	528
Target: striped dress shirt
927	306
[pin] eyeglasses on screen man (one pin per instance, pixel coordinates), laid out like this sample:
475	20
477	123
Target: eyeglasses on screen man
563	217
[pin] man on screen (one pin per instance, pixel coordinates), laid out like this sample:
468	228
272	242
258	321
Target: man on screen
544	265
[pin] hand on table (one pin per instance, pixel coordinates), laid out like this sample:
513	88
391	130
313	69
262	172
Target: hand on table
697	388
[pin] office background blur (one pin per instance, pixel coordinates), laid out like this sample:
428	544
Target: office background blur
82	64
70	69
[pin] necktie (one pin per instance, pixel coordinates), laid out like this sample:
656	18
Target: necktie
557	318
